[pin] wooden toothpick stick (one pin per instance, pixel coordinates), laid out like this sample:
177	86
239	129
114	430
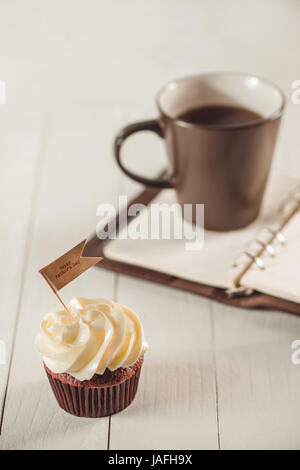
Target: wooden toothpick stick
59	297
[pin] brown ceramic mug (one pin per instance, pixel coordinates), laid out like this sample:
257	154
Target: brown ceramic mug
223	167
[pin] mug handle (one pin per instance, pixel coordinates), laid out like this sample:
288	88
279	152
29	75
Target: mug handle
153	126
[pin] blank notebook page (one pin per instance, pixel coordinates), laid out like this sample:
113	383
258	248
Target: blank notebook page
213	264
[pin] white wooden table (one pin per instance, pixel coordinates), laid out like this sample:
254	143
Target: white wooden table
76	72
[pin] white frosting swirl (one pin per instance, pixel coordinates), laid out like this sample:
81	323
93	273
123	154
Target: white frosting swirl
104	334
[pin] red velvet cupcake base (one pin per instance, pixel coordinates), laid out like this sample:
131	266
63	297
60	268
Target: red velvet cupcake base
101	396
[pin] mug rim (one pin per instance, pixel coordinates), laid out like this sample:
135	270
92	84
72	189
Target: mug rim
275	115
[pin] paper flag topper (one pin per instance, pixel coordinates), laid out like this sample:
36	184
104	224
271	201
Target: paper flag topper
66	268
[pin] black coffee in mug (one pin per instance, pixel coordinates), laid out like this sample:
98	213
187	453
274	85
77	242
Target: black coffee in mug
219	115
220	151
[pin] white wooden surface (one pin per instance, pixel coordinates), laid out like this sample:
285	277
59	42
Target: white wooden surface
215	377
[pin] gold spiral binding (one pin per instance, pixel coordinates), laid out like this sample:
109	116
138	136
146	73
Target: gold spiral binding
266	246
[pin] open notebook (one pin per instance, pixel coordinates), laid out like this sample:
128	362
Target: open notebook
224	256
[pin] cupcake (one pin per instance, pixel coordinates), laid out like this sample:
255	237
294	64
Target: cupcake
94	362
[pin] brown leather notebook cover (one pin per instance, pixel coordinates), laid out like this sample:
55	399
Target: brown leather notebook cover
95	246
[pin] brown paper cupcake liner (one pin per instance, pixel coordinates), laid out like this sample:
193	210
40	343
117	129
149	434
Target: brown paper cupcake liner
95	401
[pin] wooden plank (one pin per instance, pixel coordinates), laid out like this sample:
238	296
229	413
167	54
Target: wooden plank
19	150
258	386
176	402
65	214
